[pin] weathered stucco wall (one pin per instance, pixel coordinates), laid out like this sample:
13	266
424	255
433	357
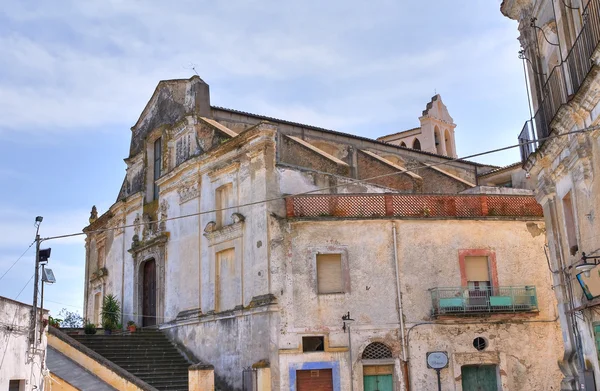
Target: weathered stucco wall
17	361
229	342
524	343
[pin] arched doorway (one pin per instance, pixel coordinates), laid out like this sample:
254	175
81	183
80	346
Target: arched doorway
149	293
402	144
417	144
378	368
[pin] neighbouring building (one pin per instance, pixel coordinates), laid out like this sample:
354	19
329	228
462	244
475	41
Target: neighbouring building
22	364
322	260
560	151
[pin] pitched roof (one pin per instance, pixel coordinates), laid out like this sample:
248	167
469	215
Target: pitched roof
500	169
282	121
397	133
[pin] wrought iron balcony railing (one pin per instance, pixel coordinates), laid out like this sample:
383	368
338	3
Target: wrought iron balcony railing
504	299
563	82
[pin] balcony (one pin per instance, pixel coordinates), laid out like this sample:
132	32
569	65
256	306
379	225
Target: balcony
465	301
563	82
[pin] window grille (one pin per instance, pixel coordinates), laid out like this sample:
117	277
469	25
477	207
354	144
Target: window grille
376	351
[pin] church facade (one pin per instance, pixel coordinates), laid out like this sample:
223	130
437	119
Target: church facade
335	261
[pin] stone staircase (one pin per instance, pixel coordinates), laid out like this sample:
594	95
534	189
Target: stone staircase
146	354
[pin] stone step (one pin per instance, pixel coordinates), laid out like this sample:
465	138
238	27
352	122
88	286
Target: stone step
148	355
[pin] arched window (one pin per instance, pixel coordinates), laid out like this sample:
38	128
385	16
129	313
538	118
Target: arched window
402	144
376	351
438	141
417	144
448	142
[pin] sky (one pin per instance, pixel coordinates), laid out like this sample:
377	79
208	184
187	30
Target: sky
75	76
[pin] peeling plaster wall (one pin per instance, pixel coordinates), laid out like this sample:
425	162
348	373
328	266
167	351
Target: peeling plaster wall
527	345
229	343
15	363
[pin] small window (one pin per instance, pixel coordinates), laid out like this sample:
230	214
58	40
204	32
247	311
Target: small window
15	385
329	273
376	351
157	165
570	224
223	198
479	343
313	344
101	256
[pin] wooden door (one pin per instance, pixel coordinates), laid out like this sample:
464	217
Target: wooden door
149	294
314	380
378	378
479	378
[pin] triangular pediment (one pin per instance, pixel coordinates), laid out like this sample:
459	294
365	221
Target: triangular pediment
171	102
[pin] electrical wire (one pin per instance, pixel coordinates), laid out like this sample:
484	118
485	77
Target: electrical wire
18	259
10	328
350	182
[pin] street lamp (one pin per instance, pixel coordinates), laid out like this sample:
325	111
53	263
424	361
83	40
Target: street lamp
586	267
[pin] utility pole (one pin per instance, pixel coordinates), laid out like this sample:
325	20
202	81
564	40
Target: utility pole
33	334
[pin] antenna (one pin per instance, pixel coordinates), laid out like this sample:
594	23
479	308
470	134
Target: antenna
192	66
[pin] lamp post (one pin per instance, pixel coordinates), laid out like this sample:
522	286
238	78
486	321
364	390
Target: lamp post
587	267
33	334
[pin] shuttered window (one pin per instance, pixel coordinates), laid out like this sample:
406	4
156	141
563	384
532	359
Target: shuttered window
329	273
476	269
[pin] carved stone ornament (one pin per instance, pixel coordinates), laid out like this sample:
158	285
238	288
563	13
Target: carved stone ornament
136	222
237	218
147	232
232	231
93	214
188	191
163	209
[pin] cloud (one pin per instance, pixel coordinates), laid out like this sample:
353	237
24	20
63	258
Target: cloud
17	228
101	61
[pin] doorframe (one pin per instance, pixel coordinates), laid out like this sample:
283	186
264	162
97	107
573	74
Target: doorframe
306	366
376	363
155	249
480	358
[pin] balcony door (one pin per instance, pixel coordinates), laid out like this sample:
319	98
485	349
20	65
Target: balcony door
478	280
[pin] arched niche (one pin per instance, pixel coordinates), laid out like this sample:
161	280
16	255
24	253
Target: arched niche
416	144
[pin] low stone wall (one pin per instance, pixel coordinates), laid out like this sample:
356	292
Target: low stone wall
230	341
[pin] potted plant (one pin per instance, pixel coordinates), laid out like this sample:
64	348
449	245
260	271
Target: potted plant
89	328
111	312
131	326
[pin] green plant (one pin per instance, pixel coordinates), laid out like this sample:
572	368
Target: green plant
111	312
54	322
130	323
89	328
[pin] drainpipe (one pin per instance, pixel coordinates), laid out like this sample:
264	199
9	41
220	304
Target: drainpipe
400	312
351	366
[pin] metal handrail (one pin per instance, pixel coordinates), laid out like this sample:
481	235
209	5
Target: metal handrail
576	67
500	299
